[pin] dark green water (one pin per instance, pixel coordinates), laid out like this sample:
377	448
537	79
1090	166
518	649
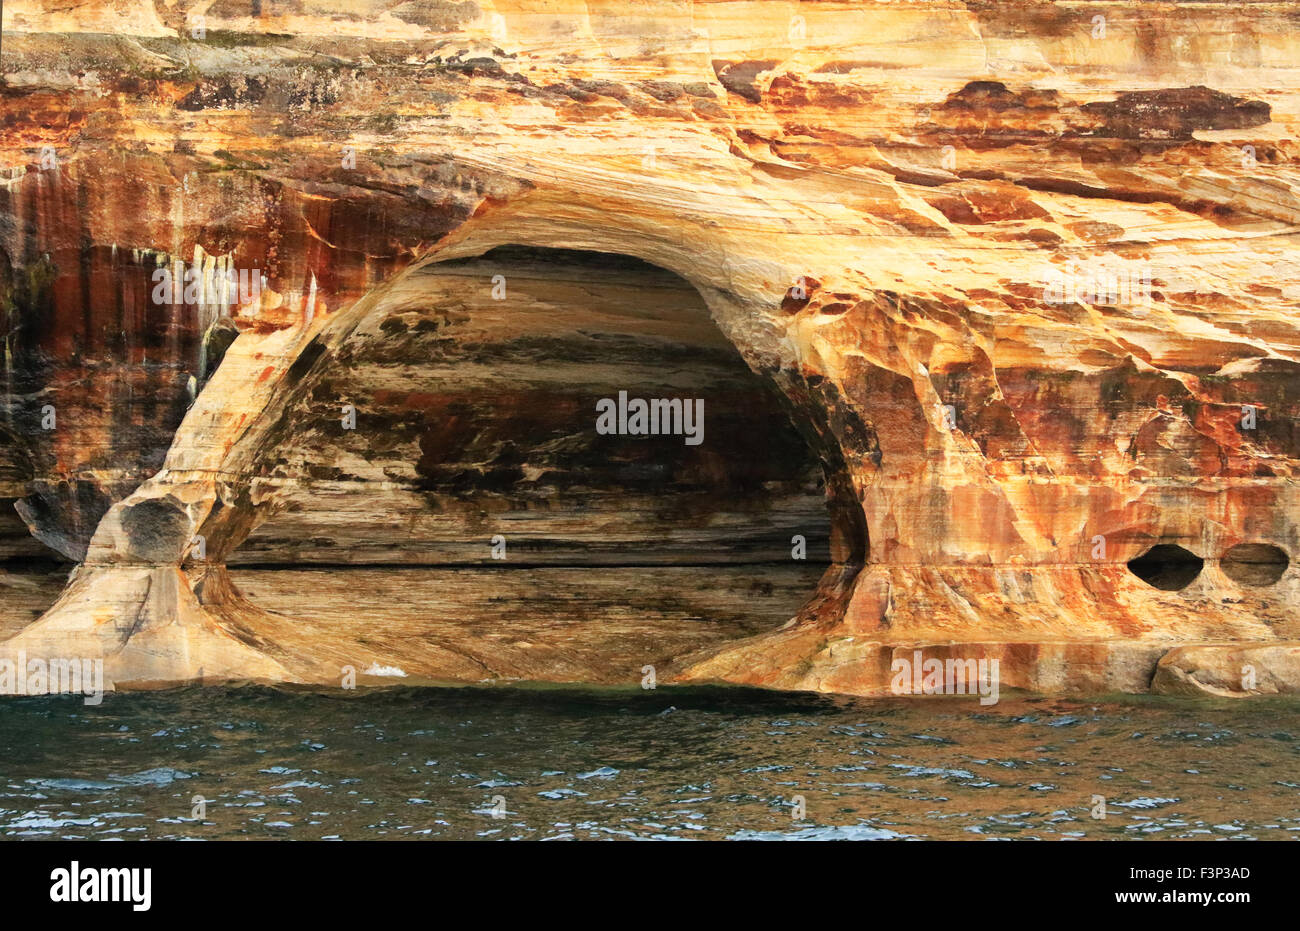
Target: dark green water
671	763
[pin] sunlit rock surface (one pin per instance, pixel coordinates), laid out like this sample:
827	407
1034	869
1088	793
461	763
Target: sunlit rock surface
1019	277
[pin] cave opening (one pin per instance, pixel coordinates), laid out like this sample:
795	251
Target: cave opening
550	396
1167	566
1255	564
498	428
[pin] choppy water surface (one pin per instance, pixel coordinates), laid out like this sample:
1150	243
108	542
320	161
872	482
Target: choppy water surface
671	763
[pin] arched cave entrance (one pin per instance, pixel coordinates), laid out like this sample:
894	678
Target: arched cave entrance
477	387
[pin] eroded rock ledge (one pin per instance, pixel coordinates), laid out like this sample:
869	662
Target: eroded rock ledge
1011	290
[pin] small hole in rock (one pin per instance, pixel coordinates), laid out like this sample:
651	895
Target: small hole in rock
1254	563
1167	566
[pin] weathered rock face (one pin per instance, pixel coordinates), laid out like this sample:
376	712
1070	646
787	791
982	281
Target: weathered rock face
1019	278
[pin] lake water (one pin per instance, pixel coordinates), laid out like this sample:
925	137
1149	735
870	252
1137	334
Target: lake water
679	763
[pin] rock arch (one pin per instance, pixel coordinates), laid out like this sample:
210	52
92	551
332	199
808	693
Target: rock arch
989	535
1005	453
177	617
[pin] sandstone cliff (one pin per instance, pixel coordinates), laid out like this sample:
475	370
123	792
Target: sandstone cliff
1018	279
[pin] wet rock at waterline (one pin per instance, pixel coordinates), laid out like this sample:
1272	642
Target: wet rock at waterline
993	326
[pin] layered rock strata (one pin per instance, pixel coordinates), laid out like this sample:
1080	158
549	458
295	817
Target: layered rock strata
1023	274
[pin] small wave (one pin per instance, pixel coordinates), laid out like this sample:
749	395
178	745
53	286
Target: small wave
823	832
377	670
